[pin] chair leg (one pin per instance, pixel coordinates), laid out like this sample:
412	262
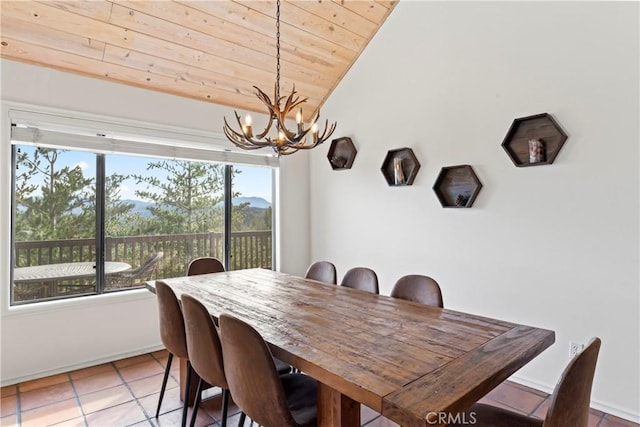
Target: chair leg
196	403
185	406
164	382
225	406
243	416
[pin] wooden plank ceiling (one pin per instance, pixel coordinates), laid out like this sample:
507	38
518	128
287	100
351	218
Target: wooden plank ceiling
208	50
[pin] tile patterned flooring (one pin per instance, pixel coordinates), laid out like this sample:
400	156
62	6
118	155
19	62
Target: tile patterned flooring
125	393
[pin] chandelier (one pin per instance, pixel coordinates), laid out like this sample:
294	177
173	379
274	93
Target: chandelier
283	141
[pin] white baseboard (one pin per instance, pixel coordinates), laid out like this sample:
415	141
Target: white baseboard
81	365
595	404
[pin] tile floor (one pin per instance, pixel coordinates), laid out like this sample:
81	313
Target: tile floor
125	393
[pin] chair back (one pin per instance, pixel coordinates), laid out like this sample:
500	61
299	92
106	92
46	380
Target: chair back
362	278
204	265
571	398
418	288
203	342
251	374
172	330
322	271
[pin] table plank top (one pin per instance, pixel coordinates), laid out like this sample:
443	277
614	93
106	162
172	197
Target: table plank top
375	349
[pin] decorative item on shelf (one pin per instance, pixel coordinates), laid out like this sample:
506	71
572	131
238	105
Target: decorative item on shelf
536	151
400	167
283	141
534	140
341	153
398	175
461	201
457	186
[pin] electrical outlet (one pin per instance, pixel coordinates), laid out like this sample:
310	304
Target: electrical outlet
575	348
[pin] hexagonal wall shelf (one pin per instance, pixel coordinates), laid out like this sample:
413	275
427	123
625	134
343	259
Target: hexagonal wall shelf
457	186
341	153
400	167
534	140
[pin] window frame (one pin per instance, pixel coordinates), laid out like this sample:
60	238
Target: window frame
155	140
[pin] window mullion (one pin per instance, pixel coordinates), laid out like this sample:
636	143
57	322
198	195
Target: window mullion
100	218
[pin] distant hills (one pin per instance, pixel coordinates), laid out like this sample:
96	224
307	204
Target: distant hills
254	202
140	207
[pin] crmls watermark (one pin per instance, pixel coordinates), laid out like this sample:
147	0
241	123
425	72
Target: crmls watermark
459	418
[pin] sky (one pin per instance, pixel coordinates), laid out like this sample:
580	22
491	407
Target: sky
252	181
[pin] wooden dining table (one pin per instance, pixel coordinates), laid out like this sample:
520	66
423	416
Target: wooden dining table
416	365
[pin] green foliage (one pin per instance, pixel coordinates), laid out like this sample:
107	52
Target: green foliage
187	200
46	211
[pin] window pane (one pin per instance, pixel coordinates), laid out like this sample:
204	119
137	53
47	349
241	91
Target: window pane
55	224
251	229
159	215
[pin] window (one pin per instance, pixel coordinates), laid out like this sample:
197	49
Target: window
87	222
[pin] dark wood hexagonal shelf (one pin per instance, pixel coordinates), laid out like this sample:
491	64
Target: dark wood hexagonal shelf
534	140
457	186
341	153
400	167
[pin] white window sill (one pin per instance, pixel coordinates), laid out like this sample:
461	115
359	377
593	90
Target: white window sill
76	303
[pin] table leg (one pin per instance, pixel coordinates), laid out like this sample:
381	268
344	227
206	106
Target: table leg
335	409
183	381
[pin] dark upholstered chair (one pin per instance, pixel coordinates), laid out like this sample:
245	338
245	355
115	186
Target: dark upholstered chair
173	337
569	401
418	288
204	265
270	400
205	352
362	278
322	271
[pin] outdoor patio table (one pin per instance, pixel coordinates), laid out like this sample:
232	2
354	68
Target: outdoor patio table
412	363
51	273
64	270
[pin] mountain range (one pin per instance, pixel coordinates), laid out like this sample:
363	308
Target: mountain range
140	207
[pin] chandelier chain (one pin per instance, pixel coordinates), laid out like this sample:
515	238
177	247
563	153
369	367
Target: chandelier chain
277	51
304	136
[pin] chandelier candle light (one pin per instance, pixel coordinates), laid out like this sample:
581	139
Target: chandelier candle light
285	141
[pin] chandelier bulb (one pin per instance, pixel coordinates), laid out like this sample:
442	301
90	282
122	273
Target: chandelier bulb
246	128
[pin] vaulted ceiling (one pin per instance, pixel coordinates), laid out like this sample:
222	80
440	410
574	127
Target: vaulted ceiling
214	50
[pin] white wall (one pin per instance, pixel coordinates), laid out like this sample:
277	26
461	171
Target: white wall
42	339
552	246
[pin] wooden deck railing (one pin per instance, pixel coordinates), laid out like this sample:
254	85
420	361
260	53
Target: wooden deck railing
249	249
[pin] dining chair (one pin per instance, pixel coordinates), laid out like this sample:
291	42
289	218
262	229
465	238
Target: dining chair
418	288
322	271
569	402
267	398
205	352
204	265
362	278
172	333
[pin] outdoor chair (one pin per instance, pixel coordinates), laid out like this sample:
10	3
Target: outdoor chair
130	278
570	400
362	278
418	288
322	271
